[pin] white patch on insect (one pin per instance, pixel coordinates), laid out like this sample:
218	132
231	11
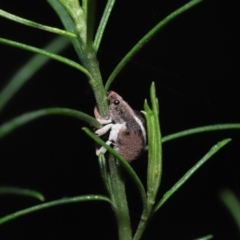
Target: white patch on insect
115	128
142	128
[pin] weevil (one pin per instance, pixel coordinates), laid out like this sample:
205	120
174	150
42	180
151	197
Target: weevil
127	128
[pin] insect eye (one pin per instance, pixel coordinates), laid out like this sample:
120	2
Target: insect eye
116	102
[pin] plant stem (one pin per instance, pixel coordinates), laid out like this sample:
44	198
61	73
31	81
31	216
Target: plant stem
78	18
96	83
119	201
143	222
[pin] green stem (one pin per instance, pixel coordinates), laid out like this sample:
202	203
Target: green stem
74	11
119	200
96	83
143	223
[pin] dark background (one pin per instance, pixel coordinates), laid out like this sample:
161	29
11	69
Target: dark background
194	63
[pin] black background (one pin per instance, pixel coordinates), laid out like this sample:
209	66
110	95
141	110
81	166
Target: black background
194	62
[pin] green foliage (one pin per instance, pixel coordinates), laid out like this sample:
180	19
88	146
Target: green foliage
78	20
233	205
23	192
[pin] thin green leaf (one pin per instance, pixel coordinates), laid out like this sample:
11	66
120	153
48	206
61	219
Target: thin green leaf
17	122
69	25
36	25
29	69
39	207
48	54
190	172
233	205
205	237
217	127
123	162
103	23
154	171
147	37
155	147
22	192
